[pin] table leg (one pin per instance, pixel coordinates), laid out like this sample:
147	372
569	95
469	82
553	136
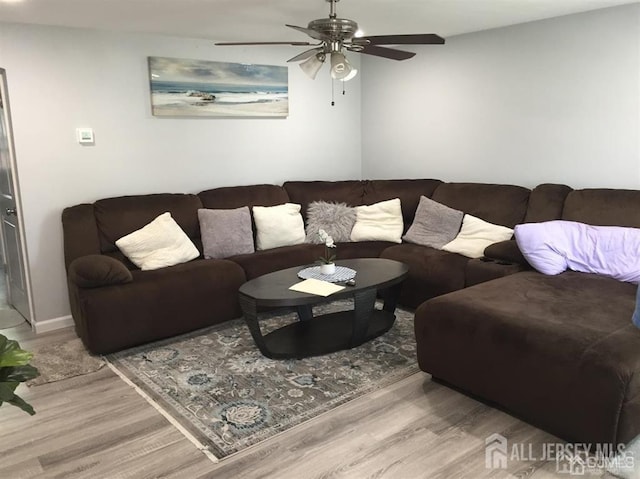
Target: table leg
390	297
364	302
250	314
305	312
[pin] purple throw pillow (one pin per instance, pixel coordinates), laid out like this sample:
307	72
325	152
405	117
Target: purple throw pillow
553	246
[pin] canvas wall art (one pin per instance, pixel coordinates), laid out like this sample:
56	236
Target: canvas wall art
182	87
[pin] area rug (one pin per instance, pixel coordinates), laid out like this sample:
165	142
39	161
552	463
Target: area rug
63	360
220	388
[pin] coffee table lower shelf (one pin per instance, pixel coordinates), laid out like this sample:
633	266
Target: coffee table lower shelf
322	335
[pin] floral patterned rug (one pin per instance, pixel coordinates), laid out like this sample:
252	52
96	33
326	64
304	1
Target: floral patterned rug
217	384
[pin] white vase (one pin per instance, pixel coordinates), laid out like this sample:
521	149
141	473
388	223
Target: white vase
328	268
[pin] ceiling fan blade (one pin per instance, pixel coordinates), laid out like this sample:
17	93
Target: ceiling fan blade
417	39
304	55
390	53
233	44
311	33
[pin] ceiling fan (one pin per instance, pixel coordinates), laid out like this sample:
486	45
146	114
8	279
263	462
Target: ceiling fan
335	35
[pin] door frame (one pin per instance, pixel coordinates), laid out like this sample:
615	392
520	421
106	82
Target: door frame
4	93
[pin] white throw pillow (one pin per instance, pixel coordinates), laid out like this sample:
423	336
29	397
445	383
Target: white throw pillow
475	235
280	225
379	222
160	243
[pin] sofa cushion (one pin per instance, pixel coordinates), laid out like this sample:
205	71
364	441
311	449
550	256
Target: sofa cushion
226	232
475	235
80	232
379	222
546	202
267	261
117	217
553	246
547	348
159	304
337	219
96	270
479	270
434	224
432	272
504	205
228	197
603	207
306	192
277	226
159	244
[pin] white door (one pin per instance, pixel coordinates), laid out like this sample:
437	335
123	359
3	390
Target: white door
15	268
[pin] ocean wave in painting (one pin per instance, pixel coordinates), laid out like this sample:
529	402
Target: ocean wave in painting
172	98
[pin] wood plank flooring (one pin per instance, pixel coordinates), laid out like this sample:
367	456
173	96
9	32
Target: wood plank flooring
96	426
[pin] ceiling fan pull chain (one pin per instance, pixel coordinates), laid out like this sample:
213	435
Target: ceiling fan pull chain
343	91
333	103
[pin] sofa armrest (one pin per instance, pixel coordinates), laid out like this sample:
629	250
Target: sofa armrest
506	251
95	270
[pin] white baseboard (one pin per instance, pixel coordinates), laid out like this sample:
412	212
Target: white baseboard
52	324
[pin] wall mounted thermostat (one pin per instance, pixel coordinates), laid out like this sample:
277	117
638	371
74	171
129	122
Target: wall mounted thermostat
84	136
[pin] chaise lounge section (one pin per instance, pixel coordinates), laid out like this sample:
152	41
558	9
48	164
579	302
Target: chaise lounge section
559	351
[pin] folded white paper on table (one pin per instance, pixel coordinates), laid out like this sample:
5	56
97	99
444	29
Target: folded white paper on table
316	286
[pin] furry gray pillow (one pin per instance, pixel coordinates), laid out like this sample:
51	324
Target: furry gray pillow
434	224
225	233
337	219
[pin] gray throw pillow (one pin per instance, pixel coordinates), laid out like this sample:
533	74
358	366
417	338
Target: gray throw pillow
434	224
225	233
337	219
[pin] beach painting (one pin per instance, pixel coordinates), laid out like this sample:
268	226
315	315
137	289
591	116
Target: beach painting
182	87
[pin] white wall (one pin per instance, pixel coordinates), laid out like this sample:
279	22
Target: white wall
61	78
549	101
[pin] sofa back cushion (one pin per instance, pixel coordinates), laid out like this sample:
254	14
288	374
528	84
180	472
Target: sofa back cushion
546	202
306	192
231	197
117	217
409	192
603	207
81	236
504	205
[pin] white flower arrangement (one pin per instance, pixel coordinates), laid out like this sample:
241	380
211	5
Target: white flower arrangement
328	257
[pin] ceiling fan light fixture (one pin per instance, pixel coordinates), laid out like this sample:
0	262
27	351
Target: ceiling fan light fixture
351	75
340	66
312	65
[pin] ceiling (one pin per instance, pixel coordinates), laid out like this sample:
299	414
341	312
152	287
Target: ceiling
263	20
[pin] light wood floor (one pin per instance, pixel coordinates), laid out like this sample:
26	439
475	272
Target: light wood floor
96	426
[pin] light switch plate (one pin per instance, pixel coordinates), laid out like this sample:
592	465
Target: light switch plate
84	135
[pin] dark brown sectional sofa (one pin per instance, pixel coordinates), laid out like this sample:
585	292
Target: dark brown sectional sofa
559	351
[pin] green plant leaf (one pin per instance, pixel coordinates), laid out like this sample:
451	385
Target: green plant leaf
22	404
18	373
11	354
14	369
7	390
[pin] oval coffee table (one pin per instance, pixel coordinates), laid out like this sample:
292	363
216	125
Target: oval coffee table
313	336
